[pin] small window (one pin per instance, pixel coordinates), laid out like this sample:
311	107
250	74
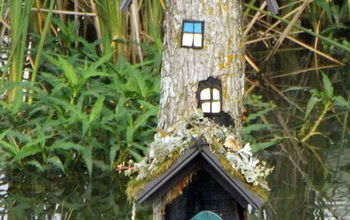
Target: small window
209	96
192	34
210	100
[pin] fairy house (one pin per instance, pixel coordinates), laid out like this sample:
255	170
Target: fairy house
196	167
208	188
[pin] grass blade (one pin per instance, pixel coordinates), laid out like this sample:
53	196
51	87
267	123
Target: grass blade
9	148
68	71
84	151
26	152
42	41
96	110
310	105
56	162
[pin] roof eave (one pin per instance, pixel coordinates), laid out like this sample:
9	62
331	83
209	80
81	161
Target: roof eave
176	172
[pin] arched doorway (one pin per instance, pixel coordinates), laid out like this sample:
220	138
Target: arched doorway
206	215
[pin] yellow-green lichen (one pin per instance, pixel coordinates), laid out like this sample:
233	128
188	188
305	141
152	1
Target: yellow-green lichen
231	57
210	11
168	147
135	186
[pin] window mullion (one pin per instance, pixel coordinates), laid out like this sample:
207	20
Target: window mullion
211	100
193	39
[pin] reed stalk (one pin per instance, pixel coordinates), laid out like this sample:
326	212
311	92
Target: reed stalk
19	19
60	12
39	16
312	33
2	6
76	19
62	6
135	32
41	44
154	12
113	27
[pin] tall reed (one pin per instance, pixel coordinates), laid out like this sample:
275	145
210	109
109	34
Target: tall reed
113	27
2	6
153	17
19	19
121	32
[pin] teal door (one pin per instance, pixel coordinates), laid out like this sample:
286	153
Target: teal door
206	215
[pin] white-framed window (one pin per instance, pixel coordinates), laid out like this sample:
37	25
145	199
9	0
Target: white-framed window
192	34
210	100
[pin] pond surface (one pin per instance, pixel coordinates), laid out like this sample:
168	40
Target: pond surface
298	195
305	191
73	197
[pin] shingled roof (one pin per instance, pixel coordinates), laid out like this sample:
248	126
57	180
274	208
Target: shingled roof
198	155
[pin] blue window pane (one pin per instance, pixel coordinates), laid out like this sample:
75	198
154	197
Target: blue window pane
188	27
198	27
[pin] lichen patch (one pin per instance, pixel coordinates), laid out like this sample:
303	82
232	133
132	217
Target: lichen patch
167	147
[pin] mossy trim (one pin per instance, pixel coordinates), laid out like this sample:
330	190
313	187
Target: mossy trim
168	147
135	186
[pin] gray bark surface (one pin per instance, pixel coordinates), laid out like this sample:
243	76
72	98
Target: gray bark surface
159	209
221	57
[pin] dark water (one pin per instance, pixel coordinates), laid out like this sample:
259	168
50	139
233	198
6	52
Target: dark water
73	197
301	191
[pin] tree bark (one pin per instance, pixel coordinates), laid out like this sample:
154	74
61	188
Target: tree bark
221	57
159	209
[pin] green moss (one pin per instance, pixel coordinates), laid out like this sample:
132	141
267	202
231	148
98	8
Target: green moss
194	126
135	186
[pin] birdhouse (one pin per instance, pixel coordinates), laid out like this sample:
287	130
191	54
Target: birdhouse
197	187
196	168
205	177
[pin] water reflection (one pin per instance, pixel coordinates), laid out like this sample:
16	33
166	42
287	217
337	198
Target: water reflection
44	197
300	191
337	193
303	191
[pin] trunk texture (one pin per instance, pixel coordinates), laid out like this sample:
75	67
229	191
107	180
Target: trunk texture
222	56
159	209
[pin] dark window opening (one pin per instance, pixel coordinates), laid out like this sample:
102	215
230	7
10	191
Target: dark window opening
209	96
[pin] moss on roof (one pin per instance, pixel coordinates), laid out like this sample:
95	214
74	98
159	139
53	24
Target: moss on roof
166	149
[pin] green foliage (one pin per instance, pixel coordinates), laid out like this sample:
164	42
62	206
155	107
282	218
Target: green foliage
255	132
311	104
86	113
319	104
327	86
